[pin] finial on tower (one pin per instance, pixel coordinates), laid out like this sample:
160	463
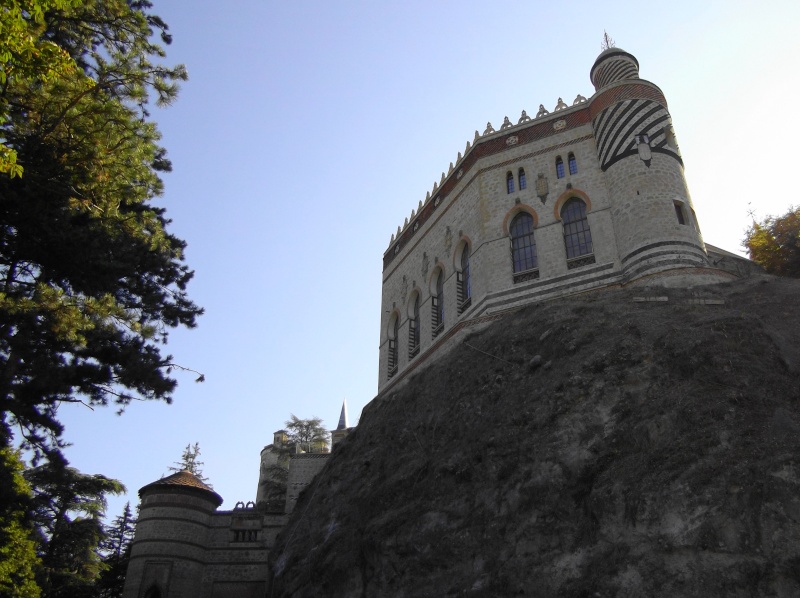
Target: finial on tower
607	43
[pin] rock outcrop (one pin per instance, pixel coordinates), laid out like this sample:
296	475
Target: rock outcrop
612	444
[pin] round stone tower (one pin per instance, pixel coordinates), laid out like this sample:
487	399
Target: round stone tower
274	457
654	222
167	553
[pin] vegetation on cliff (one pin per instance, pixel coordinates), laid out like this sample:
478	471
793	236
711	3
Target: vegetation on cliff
627	442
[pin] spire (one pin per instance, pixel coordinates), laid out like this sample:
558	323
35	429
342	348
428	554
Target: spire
343	417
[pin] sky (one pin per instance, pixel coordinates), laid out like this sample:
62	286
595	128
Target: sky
309	130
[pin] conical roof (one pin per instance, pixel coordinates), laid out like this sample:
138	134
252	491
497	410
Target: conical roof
343	417
183	479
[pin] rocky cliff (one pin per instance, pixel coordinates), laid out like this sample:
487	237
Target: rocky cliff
637	442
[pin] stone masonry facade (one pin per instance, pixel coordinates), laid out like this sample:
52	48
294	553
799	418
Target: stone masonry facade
614	156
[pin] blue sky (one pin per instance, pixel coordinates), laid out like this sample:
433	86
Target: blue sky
309	130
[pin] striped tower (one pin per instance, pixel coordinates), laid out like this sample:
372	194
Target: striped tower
654	223
168	552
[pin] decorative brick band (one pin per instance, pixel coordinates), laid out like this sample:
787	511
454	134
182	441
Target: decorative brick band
641	90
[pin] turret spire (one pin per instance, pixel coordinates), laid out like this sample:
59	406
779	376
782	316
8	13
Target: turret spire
343	417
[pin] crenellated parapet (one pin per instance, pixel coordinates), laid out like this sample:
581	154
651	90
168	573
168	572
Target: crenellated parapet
544	123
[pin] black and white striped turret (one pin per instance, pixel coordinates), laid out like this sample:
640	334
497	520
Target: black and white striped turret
613	65
656	229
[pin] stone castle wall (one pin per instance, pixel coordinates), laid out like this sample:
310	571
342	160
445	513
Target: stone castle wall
183	546
191	552
629	176
302	469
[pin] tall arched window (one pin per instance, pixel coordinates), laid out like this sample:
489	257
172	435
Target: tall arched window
559	167
523	182
464	282
509	182
573	164
393	330
577	236
437	305
523	247
413	328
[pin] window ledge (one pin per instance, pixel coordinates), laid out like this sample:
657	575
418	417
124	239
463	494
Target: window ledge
580	261
526	275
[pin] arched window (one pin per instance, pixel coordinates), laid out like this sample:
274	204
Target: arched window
573	164
413	328
509	182
523	247
437	305
577	236
559	167
464	282
393	330
523	183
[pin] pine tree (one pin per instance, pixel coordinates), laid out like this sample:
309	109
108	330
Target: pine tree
190	462
308	435
90	279
68	511
116	554
18	559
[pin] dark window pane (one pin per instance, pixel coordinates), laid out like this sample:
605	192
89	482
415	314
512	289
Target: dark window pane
464	281
392	363
559	167
679	214
510	183
577	236
440	295
413	329
523	184
523	244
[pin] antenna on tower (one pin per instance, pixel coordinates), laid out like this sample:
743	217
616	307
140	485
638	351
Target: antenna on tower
608	42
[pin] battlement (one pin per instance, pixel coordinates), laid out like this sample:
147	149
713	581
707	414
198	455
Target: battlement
437	193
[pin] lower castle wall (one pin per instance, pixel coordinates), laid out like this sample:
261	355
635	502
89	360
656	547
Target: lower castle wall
302	469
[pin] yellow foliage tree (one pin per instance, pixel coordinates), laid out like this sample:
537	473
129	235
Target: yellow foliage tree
774	243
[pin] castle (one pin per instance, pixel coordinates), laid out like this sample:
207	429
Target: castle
587	196
184	546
